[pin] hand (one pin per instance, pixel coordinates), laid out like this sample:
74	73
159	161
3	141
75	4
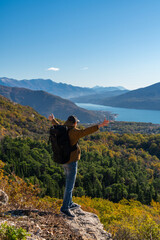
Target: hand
51	117
104	123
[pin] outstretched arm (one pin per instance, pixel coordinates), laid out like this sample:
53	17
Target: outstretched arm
53	120
79	133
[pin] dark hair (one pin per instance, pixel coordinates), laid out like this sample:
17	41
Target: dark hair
72	119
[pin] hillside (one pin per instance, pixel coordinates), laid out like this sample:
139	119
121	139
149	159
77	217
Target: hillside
18	120
46	103
142	98
114	172
58	89
27	216
112	167
103	154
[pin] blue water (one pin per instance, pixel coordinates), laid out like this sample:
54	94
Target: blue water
126	114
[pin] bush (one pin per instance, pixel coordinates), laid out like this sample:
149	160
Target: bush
8	232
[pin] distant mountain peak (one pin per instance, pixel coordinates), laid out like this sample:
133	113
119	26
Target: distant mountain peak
107	89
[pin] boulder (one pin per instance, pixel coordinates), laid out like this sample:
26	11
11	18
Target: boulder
3	198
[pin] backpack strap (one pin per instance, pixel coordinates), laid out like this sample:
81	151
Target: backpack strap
74	147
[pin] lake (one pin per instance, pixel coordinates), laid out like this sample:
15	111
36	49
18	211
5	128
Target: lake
126	114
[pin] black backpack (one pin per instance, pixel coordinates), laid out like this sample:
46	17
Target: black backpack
61	144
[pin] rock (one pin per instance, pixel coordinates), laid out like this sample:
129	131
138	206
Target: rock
88	225
85	225
3	198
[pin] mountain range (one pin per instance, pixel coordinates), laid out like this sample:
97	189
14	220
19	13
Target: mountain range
142	98
59	89
46	103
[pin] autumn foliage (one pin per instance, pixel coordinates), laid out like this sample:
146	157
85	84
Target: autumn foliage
126	220
118	175
23	195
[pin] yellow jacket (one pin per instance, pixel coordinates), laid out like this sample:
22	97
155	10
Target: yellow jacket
74	135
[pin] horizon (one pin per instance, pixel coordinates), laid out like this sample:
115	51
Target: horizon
84	43
79	86
58	82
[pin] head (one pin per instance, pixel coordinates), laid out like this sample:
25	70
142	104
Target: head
72	121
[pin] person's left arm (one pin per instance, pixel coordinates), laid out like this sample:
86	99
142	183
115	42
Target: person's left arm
79	133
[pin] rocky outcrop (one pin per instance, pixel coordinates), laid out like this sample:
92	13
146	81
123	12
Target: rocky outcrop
40	225
47	225
88	226
3	198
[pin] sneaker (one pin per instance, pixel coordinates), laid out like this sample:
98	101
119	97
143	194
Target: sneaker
74	206
68	213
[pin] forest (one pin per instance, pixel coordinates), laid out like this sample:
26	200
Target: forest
112	166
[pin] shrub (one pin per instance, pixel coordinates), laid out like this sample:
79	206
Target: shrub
8	232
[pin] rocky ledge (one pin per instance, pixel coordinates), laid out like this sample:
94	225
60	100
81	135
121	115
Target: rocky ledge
49	225
88	226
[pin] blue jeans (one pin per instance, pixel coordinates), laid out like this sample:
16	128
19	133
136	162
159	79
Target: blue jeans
70	170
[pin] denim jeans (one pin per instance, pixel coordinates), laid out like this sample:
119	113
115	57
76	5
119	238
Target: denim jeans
70	170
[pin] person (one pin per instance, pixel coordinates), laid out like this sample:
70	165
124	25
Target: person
70	168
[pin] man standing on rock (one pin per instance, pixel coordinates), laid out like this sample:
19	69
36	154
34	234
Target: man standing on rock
70	168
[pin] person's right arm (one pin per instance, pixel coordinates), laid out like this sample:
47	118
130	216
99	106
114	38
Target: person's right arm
53	120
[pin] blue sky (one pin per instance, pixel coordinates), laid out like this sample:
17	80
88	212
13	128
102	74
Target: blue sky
81	42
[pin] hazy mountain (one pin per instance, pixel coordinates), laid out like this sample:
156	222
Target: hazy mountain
46	103
58	89
142	98
98	97
107	89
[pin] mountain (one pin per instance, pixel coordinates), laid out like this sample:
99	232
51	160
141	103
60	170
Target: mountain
97	98
46	103
142	98
58	89
107	89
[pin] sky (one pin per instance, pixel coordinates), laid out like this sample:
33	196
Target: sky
81	42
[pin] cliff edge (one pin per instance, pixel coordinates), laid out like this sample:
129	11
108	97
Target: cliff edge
43	225
88	226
